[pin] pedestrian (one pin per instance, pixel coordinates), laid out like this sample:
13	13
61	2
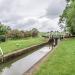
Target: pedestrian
56	41
51	42
61	37
56	37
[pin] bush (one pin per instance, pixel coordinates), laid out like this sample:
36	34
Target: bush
4	29
16	34
2	38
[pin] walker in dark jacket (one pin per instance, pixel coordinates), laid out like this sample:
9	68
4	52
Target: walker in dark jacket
51	42
56	41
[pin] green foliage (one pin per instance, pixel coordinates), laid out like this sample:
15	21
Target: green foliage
2	38
4	29
16	34
68	16
14	45
34	32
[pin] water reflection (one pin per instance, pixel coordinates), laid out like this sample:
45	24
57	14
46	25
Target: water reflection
22	65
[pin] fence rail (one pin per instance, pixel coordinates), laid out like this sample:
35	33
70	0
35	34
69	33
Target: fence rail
1	54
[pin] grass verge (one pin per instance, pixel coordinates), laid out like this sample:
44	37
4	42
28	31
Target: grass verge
61	61
13	45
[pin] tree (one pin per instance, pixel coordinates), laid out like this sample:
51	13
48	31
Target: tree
27	34
68	16
4	29
34	32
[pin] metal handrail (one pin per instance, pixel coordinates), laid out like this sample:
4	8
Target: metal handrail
2	54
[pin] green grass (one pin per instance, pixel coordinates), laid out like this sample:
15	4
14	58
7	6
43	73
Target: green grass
61	61
13	45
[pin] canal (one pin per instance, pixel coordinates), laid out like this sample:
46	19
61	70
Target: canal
24	63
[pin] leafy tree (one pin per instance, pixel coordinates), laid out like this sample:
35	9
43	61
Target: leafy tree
4	29
27	34
34	32
68	16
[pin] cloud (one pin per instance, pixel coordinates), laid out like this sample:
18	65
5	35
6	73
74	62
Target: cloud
22	8
55	8
26	23
27	14
49	25
42	24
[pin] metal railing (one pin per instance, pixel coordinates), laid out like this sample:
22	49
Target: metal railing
2	54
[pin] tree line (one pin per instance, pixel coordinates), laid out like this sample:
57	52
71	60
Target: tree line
7	32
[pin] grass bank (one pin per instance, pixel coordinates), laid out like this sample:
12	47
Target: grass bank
13	45
61	61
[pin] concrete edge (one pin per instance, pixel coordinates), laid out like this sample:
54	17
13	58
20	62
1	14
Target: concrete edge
29	72
15	54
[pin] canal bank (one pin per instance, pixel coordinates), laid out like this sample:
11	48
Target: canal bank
15	54
33	70
24	64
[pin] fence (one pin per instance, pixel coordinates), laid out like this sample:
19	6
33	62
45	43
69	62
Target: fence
1	54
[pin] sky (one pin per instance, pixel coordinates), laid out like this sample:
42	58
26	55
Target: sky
28	14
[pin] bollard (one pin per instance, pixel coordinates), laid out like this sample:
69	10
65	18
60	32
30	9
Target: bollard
2	54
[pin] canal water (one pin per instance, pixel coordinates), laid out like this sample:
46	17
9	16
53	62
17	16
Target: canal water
22	65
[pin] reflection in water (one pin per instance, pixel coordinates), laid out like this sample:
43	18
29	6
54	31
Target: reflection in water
24	64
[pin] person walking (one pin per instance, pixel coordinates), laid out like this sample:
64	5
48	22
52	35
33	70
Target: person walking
56	37
51	41
61	37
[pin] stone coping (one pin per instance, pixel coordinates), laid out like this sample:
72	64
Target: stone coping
15	54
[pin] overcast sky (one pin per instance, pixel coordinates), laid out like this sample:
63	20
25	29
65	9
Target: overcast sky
28	14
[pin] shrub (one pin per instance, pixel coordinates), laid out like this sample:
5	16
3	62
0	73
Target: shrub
2	38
